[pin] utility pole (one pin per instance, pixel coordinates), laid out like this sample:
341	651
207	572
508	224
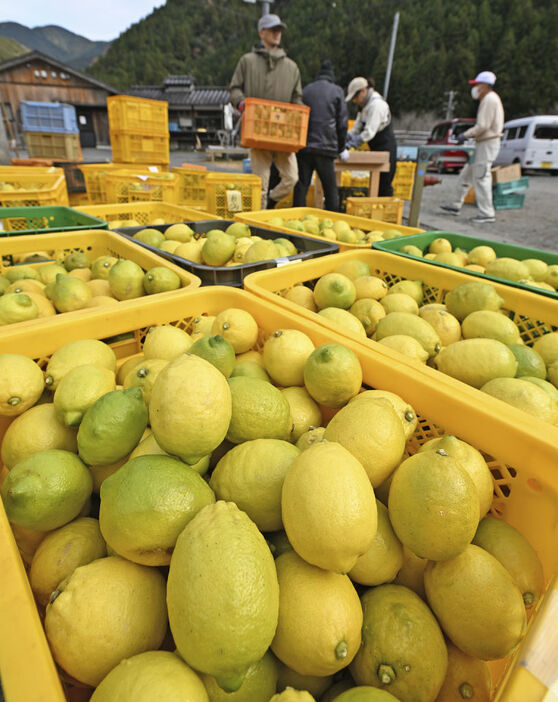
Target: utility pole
391	52
450	104
265	5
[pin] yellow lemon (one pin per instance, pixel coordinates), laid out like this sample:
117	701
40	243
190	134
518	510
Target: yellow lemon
406	345
301	295
467	678
444	324
370	286
238	327
78	353
284	355
332	375
79	389
166	342
305	413
368	311
405	412
258	686
21	384
344	320
259	411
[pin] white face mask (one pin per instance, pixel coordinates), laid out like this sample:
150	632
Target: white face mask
475	92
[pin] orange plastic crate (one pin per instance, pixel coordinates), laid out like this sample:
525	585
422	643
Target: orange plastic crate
191	185
277	126
128	147
139	115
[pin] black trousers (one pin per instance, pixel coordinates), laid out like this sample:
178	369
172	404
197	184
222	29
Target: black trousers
323	165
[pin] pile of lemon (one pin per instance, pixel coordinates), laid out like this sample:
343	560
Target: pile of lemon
255	497
34	290
334	230
233	246
483	259
468	336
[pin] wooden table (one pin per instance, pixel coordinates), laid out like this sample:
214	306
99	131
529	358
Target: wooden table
375	162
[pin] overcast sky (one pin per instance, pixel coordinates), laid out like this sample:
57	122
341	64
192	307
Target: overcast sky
94	19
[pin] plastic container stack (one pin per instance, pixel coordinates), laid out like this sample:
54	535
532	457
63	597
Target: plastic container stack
139	130
51	130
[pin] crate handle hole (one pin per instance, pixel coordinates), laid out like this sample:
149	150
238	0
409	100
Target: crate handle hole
534	485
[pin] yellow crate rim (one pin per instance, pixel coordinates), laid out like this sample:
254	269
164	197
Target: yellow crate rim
146	212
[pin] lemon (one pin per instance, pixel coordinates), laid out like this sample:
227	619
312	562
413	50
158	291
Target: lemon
383	560
78	353
238	229
35	430
145	505
444	324
78	259
217	351
27	541
179	232
153	675
100	288
553	374
21	384
100	268
538	269
405	412
20	272
370	286
128	365
362	693
284	355
17	307
101	473
467	678
259	411
507	268
61	552
46	490
26	285
372	432
433	505
143	376
486	324
328	507
551	278
368	311
221	552
415	251
403	650
48	272
413	288
310	437
238	327
549	387
470	460
166	342
305	413
314	684
148	446
482	255
478	605
353	269
79	389
83	274
191	251
69	294
344	320
160	279
45	307
439	245
470	297
547	347
262	250
320	617
292	695
406	345
332	375
150	236
334	290
251	475
476	361
525	396
169	245
105	611
112	427
450	259
301	295
409	325
250	356
411	573
529	362
250	370
126	280
190	408
399	302
201	326
258	686
218	248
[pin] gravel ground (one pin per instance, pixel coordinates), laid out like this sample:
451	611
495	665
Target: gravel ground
534	225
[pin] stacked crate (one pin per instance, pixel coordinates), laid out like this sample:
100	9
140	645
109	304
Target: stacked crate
139	130
51	130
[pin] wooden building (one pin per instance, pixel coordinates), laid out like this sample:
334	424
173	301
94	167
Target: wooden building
37	77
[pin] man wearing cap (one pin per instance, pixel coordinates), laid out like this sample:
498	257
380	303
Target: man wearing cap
487	133
373	125
267	73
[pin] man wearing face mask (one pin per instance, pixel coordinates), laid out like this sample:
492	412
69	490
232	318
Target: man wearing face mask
487	133
267	73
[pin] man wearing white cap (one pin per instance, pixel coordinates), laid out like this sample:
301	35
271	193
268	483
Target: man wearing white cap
487	133
267	73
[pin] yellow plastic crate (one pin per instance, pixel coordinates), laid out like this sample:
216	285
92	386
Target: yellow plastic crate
263	217
94	177
128	147
29	190
119	215
231	193
521	458
63	147
403	179
191	186
138	114
386	209
78	199
127	186
350	180
95	243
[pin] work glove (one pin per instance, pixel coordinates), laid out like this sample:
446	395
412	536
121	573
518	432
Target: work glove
354	141
344	155
461	138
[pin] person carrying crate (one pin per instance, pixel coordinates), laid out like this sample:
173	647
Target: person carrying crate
267	73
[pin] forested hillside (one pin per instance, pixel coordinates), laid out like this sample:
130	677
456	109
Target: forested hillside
440	45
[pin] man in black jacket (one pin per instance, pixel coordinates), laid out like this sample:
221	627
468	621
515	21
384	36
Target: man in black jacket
327	130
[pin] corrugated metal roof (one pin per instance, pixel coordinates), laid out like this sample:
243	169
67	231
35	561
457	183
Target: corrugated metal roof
183	97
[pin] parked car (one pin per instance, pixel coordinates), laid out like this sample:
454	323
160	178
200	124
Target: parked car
532	142
445	133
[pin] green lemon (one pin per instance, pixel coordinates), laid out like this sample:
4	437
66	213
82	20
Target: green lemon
150	236
250	369
258	685
160	279
334	290
365	693
259	411
238	230
368	311
529	362
101	266
126	280
49	271
17	307
69	294
332	375
18	272
263	250
218	351
218	248
46	490
76	260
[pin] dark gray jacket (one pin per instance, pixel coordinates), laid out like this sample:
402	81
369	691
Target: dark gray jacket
327	126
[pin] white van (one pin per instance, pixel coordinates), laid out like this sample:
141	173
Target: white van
532	142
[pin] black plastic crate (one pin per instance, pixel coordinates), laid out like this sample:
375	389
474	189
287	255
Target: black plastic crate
234	275
75	182
354	191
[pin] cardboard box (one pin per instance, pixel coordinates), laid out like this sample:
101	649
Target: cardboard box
503	174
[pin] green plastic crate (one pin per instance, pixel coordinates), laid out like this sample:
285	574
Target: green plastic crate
422	241
15	221
511	186
509	201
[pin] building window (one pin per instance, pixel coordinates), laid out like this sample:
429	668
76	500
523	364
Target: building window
37	74
53	74
44	74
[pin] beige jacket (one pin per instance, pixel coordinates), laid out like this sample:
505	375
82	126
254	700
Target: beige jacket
490	119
